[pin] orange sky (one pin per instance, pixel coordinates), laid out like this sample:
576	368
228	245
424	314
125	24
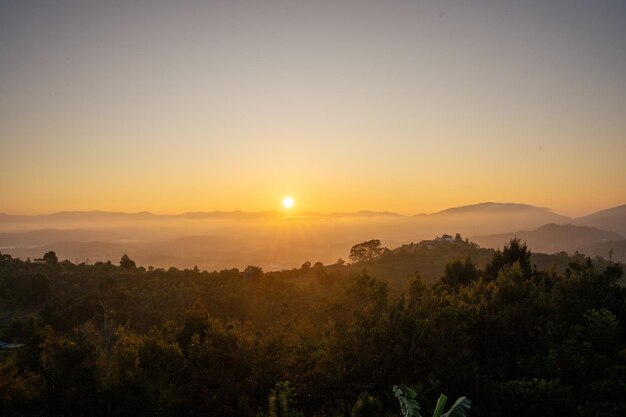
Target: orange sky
343	105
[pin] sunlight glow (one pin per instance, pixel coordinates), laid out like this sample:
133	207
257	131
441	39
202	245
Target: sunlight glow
287	202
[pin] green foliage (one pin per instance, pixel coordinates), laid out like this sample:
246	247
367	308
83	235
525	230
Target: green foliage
127	263
106	340
50	258
366	251
367	406
601	331
459	273
410	408
407	399
460	408
366	296
604	396
253	272
514	252
21	393
441	402
533	397
280	400
39	289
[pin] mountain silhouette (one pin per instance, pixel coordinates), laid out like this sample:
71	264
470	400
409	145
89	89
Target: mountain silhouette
551	238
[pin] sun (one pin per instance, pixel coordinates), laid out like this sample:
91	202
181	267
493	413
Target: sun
287	202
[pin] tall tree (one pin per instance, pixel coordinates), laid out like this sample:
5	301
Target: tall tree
459	273
515	251
127	263
366	251
50	258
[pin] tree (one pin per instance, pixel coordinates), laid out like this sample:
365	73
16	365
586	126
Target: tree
600	332
196	322
366	251
460	408
306	265
516	251
280	400
51	258
367	297
459	273
406	396
410	407
252	272
39	288
367	406
127	263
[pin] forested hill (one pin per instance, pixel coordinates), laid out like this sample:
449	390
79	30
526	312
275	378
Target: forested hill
429	257
504	328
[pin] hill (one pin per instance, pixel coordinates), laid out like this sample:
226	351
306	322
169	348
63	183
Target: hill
482	219
603	249
181	335
47	236
491	208
613	219
108	216
552	238
398	266
214	240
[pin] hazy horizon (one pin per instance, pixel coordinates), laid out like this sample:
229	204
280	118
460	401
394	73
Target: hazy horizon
411	107
294	211
276	240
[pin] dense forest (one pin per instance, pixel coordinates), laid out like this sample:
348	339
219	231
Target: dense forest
518	334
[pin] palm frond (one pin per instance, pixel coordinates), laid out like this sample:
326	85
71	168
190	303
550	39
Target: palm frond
408	404
441	402
460	408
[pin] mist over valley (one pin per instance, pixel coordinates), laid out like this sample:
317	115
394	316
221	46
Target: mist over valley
275	240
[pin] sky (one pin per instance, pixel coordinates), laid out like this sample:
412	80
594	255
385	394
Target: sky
405	106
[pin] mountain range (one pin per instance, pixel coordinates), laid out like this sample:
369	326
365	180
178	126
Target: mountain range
273	240
552	238
488	208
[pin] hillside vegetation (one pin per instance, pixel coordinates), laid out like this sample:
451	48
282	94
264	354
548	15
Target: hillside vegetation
277	241
518	334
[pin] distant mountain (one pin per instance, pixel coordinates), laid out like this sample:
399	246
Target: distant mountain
63	216
274	240
236	214
552	238
362	214
496	209
367	213
613	219
106	216
47	236
483	219
607	219
602	249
